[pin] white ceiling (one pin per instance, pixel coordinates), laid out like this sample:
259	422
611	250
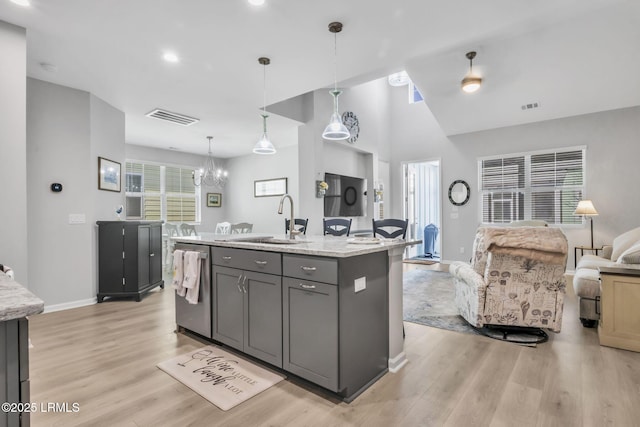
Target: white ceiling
113	49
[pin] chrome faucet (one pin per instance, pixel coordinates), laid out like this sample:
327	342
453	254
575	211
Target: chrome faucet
292	230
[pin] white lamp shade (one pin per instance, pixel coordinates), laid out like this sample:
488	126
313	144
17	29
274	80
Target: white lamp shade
586	208
264	146
335	130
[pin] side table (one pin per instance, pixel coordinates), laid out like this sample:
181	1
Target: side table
619	324
582	249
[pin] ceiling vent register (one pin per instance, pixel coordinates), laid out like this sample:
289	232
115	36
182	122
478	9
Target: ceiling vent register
168	116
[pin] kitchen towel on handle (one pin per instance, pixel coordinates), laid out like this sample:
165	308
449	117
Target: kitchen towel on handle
192	276
178	272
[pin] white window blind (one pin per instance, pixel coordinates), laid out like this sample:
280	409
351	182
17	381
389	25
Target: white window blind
540	186
159	192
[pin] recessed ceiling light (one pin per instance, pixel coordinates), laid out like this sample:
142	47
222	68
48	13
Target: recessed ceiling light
170	57
22	2
256	2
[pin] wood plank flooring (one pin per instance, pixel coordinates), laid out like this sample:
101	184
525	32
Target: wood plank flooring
103	357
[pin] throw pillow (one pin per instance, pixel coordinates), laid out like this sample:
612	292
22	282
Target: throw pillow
631	255
624	242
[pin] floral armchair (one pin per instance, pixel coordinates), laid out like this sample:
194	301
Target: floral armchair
516	278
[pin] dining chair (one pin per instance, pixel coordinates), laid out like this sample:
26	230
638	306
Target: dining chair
337	226
299	224
241	228
390	228
170	230
188	229
223	228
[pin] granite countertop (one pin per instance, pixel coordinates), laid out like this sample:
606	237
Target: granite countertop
16	301
329	246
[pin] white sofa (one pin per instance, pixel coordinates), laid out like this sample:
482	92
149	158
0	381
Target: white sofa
624	253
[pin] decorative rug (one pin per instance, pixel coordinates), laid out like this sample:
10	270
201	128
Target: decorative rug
428	299
222	378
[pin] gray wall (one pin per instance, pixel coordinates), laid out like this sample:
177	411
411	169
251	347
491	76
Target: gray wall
13	156
611	138
262	212
68	130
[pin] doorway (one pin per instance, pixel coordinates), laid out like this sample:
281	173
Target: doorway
421	191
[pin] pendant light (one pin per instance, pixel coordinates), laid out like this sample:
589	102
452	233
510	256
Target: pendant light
264	145
335	130
209	174
471	82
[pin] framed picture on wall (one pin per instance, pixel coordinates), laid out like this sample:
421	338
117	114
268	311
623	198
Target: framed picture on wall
214	200
108	175
270	187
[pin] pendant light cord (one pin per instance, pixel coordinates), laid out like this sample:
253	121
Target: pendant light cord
264	92
335	61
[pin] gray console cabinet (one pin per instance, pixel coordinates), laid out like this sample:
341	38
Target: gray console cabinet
247	305
129	258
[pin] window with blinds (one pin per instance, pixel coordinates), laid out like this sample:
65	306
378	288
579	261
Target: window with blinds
159	192
538	186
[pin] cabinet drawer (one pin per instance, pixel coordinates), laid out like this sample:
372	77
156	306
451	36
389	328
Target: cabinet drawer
246	259
318	269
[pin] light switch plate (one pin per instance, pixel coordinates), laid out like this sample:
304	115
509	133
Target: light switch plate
77	218
360	284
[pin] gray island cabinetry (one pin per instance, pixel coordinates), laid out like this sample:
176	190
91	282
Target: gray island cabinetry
336	320
16	303
247	302
326	309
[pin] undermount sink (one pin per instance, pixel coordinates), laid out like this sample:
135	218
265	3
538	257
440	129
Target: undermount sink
277	241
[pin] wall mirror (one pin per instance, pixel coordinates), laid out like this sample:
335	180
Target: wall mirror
459	192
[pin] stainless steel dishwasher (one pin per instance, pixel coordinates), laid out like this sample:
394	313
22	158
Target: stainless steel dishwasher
197	317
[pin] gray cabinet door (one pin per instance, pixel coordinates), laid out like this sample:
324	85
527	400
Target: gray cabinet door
155	255
228	307
144	233
310	331
263	320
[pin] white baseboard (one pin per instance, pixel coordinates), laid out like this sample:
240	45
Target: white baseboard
68	305
398	362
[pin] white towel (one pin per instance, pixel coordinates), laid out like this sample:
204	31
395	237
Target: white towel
178	273
192	276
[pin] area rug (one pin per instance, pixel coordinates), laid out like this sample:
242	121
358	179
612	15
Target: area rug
429	300
222	378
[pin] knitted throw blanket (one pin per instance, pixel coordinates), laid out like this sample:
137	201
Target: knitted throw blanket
545	244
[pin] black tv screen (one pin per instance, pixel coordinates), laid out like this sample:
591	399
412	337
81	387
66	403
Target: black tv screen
346	196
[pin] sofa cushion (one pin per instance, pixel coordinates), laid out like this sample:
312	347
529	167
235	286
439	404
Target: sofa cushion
631	255
624	242
586	283
594	262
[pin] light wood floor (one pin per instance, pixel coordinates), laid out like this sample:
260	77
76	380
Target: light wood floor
103	357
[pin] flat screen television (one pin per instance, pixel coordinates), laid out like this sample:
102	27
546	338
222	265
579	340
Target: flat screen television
346	196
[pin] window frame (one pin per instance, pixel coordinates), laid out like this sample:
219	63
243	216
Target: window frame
528	190
163	191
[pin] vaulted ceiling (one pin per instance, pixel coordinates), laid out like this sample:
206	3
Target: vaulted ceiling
571	56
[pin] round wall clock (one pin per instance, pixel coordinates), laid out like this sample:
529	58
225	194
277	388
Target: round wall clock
350	120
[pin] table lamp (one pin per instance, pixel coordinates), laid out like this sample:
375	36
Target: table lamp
586	208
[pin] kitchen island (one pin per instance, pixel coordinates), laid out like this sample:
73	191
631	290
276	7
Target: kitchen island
328	309
16	303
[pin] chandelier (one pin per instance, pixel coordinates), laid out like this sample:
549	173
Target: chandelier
209	174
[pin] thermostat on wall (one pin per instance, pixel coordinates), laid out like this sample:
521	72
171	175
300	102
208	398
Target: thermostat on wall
56	187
